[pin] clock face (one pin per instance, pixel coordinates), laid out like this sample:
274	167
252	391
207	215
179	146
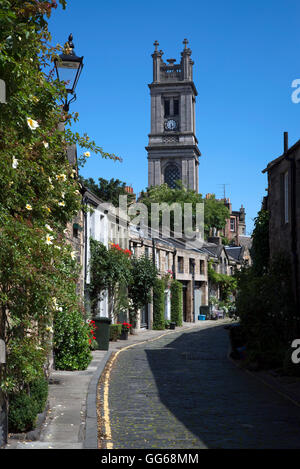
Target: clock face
171	124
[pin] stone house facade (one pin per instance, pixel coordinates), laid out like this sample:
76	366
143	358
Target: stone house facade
283	204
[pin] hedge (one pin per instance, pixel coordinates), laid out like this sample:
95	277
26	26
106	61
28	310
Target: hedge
115	331
176	302
158	304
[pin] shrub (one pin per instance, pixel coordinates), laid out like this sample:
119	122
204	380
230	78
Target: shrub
71	341
115	331
39	392
158	305
23	410
176	302
26	405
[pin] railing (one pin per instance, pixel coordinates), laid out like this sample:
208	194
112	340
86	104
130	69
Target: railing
170	72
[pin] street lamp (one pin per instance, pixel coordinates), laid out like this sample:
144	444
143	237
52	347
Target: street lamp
68	68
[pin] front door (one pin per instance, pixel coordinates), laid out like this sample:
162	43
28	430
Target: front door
145	317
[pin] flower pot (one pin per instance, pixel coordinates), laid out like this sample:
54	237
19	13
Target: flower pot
172	325
124	335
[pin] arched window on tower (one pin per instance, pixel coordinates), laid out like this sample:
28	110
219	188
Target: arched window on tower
172	174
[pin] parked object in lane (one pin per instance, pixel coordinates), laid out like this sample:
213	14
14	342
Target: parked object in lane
102	332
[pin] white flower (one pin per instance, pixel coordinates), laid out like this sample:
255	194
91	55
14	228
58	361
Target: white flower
87	154
49	329
57	247
63	195
32	124
61	204
77	192
73	255
61	177
48	228
15	163
50	180
29	207
49	239
46	144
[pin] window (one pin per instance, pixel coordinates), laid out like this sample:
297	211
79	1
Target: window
147	252
75	230
167	261
180	265
167	107
172	174
191	263
157	260
232	224
202	267
176	107
286	196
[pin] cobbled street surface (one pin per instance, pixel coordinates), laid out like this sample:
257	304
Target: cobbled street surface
182	391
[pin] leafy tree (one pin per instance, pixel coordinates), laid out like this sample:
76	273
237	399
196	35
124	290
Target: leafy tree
108	191
215	212
110	270
143	274
260	251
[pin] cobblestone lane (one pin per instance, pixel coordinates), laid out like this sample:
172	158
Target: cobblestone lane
181	391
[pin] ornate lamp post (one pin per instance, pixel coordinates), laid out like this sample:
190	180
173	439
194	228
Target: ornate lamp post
68	69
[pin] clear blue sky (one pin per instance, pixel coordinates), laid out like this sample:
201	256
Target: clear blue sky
246	54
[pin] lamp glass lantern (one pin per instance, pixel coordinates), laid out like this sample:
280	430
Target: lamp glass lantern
68	69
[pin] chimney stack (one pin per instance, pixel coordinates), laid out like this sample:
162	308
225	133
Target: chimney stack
285	142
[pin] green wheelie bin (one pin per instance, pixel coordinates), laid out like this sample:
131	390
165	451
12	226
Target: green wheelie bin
102	332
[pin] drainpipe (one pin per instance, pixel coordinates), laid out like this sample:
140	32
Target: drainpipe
292	162
174	264
193	288
153	251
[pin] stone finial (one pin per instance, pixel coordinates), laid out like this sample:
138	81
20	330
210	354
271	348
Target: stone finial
185	42
156	44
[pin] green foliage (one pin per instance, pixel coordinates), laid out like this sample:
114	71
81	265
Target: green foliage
115	331
23	412
71	340
39	392
25	405
158	304
267	311
215	212
260	251
107	191
39	194
265	301
110	270
143	274
227	283
176	302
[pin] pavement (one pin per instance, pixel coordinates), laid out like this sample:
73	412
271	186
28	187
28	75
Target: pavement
71	418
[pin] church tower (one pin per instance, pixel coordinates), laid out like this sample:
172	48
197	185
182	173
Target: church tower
172	149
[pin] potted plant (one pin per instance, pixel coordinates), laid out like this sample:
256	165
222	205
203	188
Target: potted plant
125	330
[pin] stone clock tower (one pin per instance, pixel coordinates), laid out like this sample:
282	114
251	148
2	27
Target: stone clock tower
172	150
